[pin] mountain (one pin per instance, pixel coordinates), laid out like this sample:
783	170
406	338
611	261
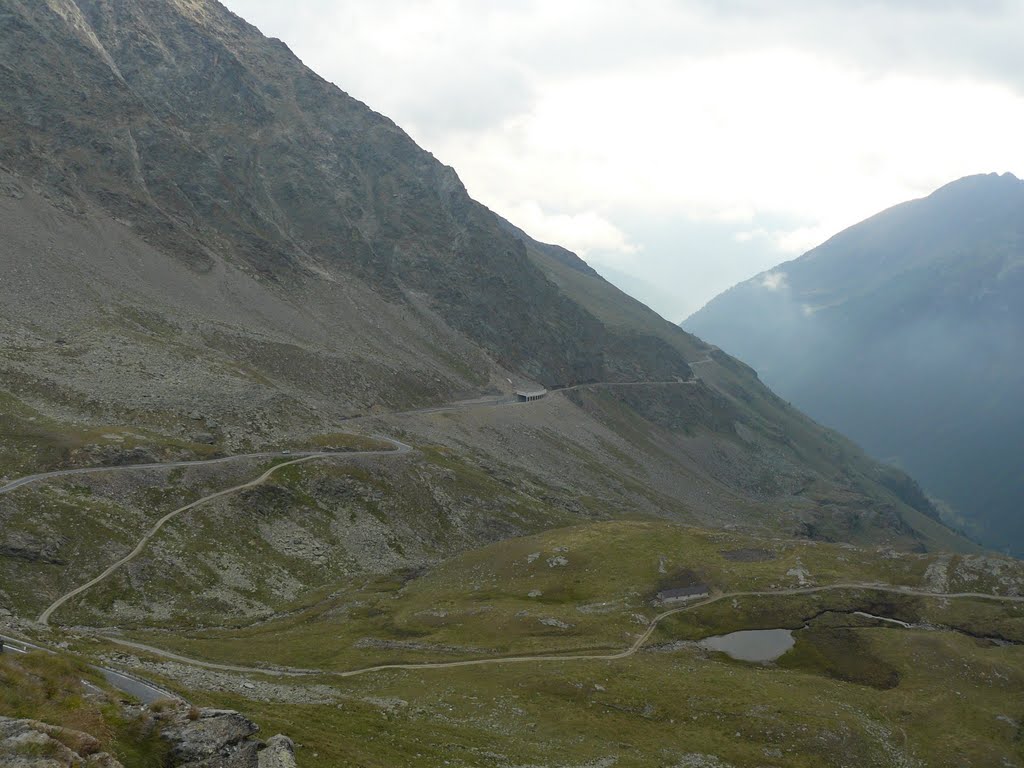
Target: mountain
260	446
198	225
906	332
197	136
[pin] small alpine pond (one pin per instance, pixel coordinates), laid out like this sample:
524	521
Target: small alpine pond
760	645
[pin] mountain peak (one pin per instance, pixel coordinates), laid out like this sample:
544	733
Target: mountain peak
981	183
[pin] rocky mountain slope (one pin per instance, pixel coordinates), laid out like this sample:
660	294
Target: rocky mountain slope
906	332
214	144
209	248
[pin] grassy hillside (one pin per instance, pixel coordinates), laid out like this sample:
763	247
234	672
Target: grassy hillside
854	690
62	691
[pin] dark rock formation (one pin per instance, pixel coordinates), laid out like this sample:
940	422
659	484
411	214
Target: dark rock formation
220	738
24	546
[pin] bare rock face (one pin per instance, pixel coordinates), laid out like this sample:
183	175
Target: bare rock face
204	238
311	182
32	744
113	456
221	738
242	755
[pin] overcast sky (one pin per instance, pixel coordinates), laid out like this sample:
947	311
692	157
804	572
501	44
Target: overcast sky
682	146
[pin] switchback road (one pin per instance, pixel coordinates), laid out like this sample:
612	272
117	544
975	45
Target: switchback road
400	448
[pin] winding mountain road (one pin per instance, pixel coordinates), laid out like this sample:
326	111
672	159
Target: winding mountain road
148	692
44	617
294	458
498	400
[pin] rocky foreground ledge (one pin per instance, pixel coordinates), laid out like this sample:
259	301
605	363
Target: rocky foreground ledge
198	738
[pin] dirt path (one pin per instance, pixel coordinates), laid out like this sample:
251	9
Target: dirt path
44	617
400	447
43	476
624	654
294	458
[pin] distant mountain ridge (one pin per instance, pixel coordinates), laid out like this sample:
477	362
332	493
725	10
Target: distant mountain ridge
906	332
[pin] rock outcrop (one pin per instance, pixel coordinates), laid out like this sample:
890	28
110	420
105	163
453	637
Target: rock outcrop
220	738
32	744
198	738
25	546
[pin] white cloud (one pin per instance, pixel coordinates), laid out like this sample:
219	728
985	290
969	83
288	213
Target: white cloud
584	232
728	138
774	281
793	241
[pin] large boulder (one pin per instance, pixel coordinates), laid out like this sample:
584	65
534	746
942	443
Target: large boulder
280	753
198	735
220	738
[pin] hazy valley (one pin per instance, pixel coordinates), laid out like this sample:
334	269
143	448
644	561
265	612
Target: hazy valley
906	333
